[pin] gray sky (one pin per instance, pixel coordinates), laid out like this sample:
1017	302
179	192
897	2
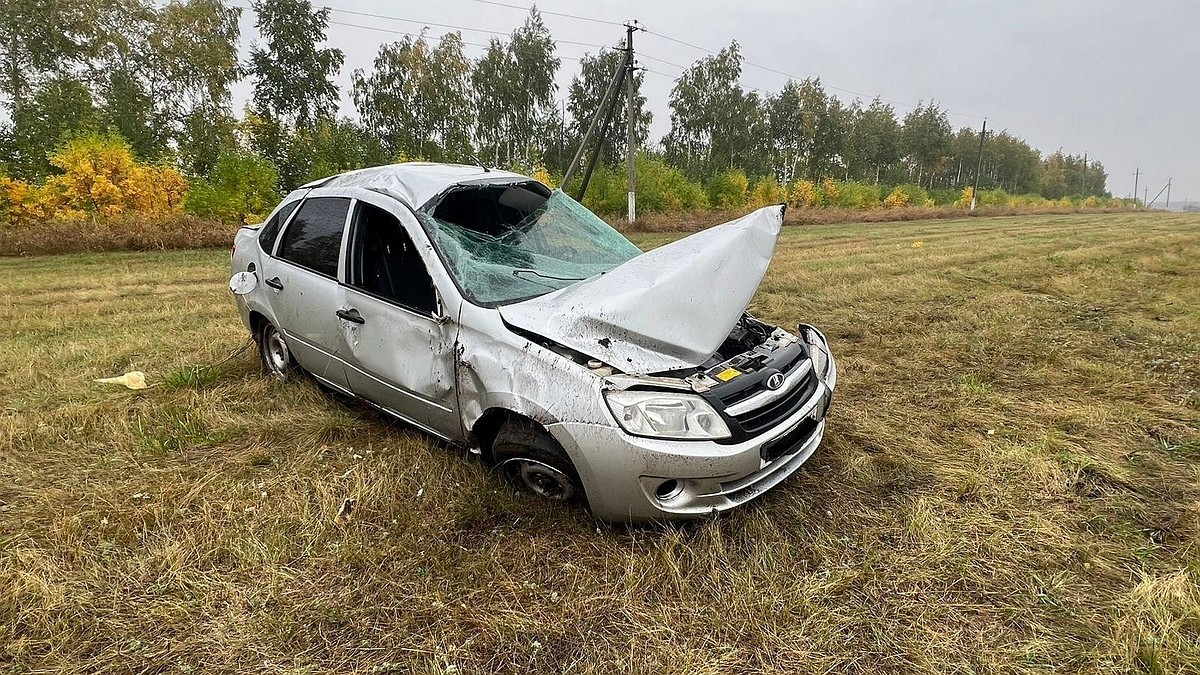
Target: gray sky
1113	79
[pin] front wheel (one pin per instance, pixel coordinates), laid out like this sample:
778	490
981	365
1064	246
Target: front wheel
276	358
530	457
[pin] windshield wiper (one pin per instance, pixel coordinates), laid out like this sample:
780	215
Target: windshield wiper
521	270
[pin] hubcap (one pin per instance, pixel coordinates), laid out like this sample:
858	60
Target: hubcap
277	352
544	480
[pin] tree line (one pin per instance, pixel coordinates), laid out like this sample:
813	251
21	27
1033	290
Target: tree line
160	76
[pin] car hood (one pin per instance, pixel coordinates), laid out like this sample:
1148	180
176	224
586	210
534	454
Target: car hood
667	309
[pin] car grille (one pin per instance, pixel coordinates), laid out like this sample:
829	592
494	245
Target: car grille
763	418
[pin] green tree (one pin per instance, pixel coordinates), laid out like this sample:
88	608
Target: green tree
58	107
925	140
40	39
417	100
873	142
715	124
292	73
242	188
586	95
514	93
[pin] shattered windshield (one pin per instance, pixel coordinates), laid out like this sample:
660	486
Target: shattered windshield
507	243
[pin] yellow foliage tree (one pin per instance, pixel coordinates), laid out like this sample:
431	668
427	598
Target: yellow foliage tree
541	175
803	194
896	199
831	191
21	201
767	192
100	179
964	200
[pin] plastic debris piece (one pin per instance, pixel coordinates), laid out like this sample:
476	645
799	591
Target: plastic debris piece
347	510
135	379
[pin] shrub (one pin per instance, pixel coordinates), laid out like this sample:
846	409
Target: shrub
767	191
997	197
100	180
729	189
830	194
852	195
964	199
944	196
803	194
896	199
242	188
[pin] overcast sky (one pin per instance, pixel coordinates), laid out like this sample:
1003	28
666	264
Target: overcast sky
1113	79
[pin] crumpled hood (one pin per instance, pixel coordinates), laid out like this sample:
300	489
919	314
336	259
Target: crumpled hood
667	309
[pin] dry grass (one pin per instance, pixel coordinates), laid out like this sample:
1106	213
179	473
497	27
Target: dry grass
692	221
1009	484
133	233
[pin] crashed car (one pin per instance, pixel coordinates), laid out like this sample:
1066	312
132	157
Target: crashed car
491	311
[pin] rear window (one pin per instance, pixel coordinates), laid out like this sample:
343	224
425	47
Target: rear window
270	231
314	238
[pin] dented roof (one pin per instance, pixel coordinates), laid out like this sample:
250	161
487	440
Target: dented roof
416	182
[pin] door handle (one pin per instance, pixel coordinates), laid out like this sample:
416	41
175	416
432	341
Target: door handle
351	315
275	283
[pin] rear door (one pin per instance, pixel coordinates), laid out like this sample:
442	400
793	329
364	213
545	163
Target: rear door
399	336
302	282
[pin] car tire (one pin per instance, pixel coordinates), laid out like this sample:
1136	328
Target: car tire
276	358
529	456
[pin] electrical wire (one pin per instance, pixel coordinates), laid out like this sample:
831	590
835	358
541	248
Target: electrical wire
448	25
797	77
550	13
417	35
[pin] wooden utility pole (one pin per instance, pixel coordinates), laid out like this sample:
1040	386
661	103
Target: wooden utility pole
630	139
1083	177
978	166
1137	173
1168	206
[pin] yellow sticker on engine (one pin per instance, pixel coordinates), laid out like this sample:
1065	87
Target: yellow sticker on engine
728	374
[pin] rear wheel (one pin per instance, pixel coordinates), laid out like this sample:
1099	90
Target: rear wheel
276	358
528	455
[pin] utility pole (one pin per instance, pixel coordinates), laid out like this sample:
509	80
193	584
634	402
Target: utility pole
978	166
1083	178
1168	206
1137	173
1145	196
630	140
602	113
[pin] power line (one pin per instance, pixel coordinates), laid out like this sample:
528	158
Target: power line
448	25
797	77
417	35
550	13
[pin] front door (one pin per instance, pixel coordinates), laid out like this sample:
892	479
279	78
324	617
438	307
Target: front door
303	284
399	343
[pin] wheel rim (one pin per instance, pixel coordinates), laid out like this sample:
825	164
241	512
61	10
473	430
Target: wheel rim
276	351
542	479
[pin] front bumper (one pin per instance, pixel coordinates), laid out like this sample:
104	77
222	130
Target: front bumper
620	472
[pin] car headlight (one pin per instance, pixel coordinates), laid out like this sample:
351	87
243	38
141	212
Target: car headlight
817	351
666	415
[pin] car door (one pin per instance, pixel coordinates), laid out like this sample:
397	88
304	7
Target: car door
302	278
399	337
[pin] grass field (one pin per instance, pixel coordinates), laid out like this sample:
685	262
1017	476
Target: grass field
1009	483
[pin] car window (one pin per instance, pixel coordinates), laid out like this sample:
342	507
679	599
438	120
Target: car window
314	237
270	231
386	264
